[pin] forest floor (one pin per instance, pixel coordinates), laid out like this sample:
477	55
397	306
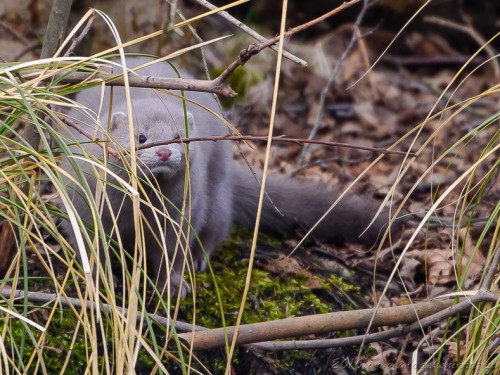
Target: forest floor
419	82
386	105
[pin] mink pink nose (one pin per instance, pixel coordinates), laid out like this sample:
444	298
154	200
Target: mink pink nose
164	154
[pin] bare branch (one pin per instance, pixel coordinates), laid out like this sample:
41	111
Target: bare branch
253	49
77	40
212	86
250	31
74	125
378	336
419	315
469	30
326	89
217	85
321	323
298	141
45	298
492	269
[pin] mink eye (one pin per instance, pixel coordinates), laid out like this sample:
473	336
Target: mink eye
142	138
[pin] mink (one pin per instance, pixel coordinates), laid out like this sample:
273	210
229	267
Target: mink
220	192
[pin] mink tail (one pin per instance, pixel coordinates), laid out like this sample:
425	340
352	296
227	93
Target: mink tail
291	204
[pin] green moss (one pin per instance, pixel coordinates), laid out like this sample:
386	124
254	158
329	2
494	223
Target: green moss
241	80
24	340
334	281
241	235
270	296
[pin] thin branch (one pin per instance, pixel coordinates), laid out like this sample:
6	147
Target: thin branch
432	60
316	324
330	343
469	30
212	86
250	31
378	336
490	274
74	125
298	141
217	85
253	49
328	85
78	39
45	298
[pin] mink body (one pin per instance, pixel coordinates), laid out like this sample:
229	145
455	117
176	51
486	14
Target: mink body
220	191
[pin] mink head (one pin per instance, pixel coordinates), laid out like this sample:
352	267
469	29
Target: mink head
154	126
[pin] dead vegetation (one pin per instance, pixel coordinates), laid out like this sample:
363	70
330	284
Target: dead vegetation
427	101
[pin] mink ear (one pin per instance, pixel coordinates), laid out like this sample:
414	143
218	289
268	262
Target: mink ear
119	119
190	120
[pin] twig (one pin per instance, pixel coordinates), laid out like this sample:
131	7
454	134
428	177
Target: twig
328	343
298	141
10	30
432	60
91	138
469	30
78	39
333	159
77	303
326	89
250	31
30	47
213	86
253	49
378	336
490	275
320	323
